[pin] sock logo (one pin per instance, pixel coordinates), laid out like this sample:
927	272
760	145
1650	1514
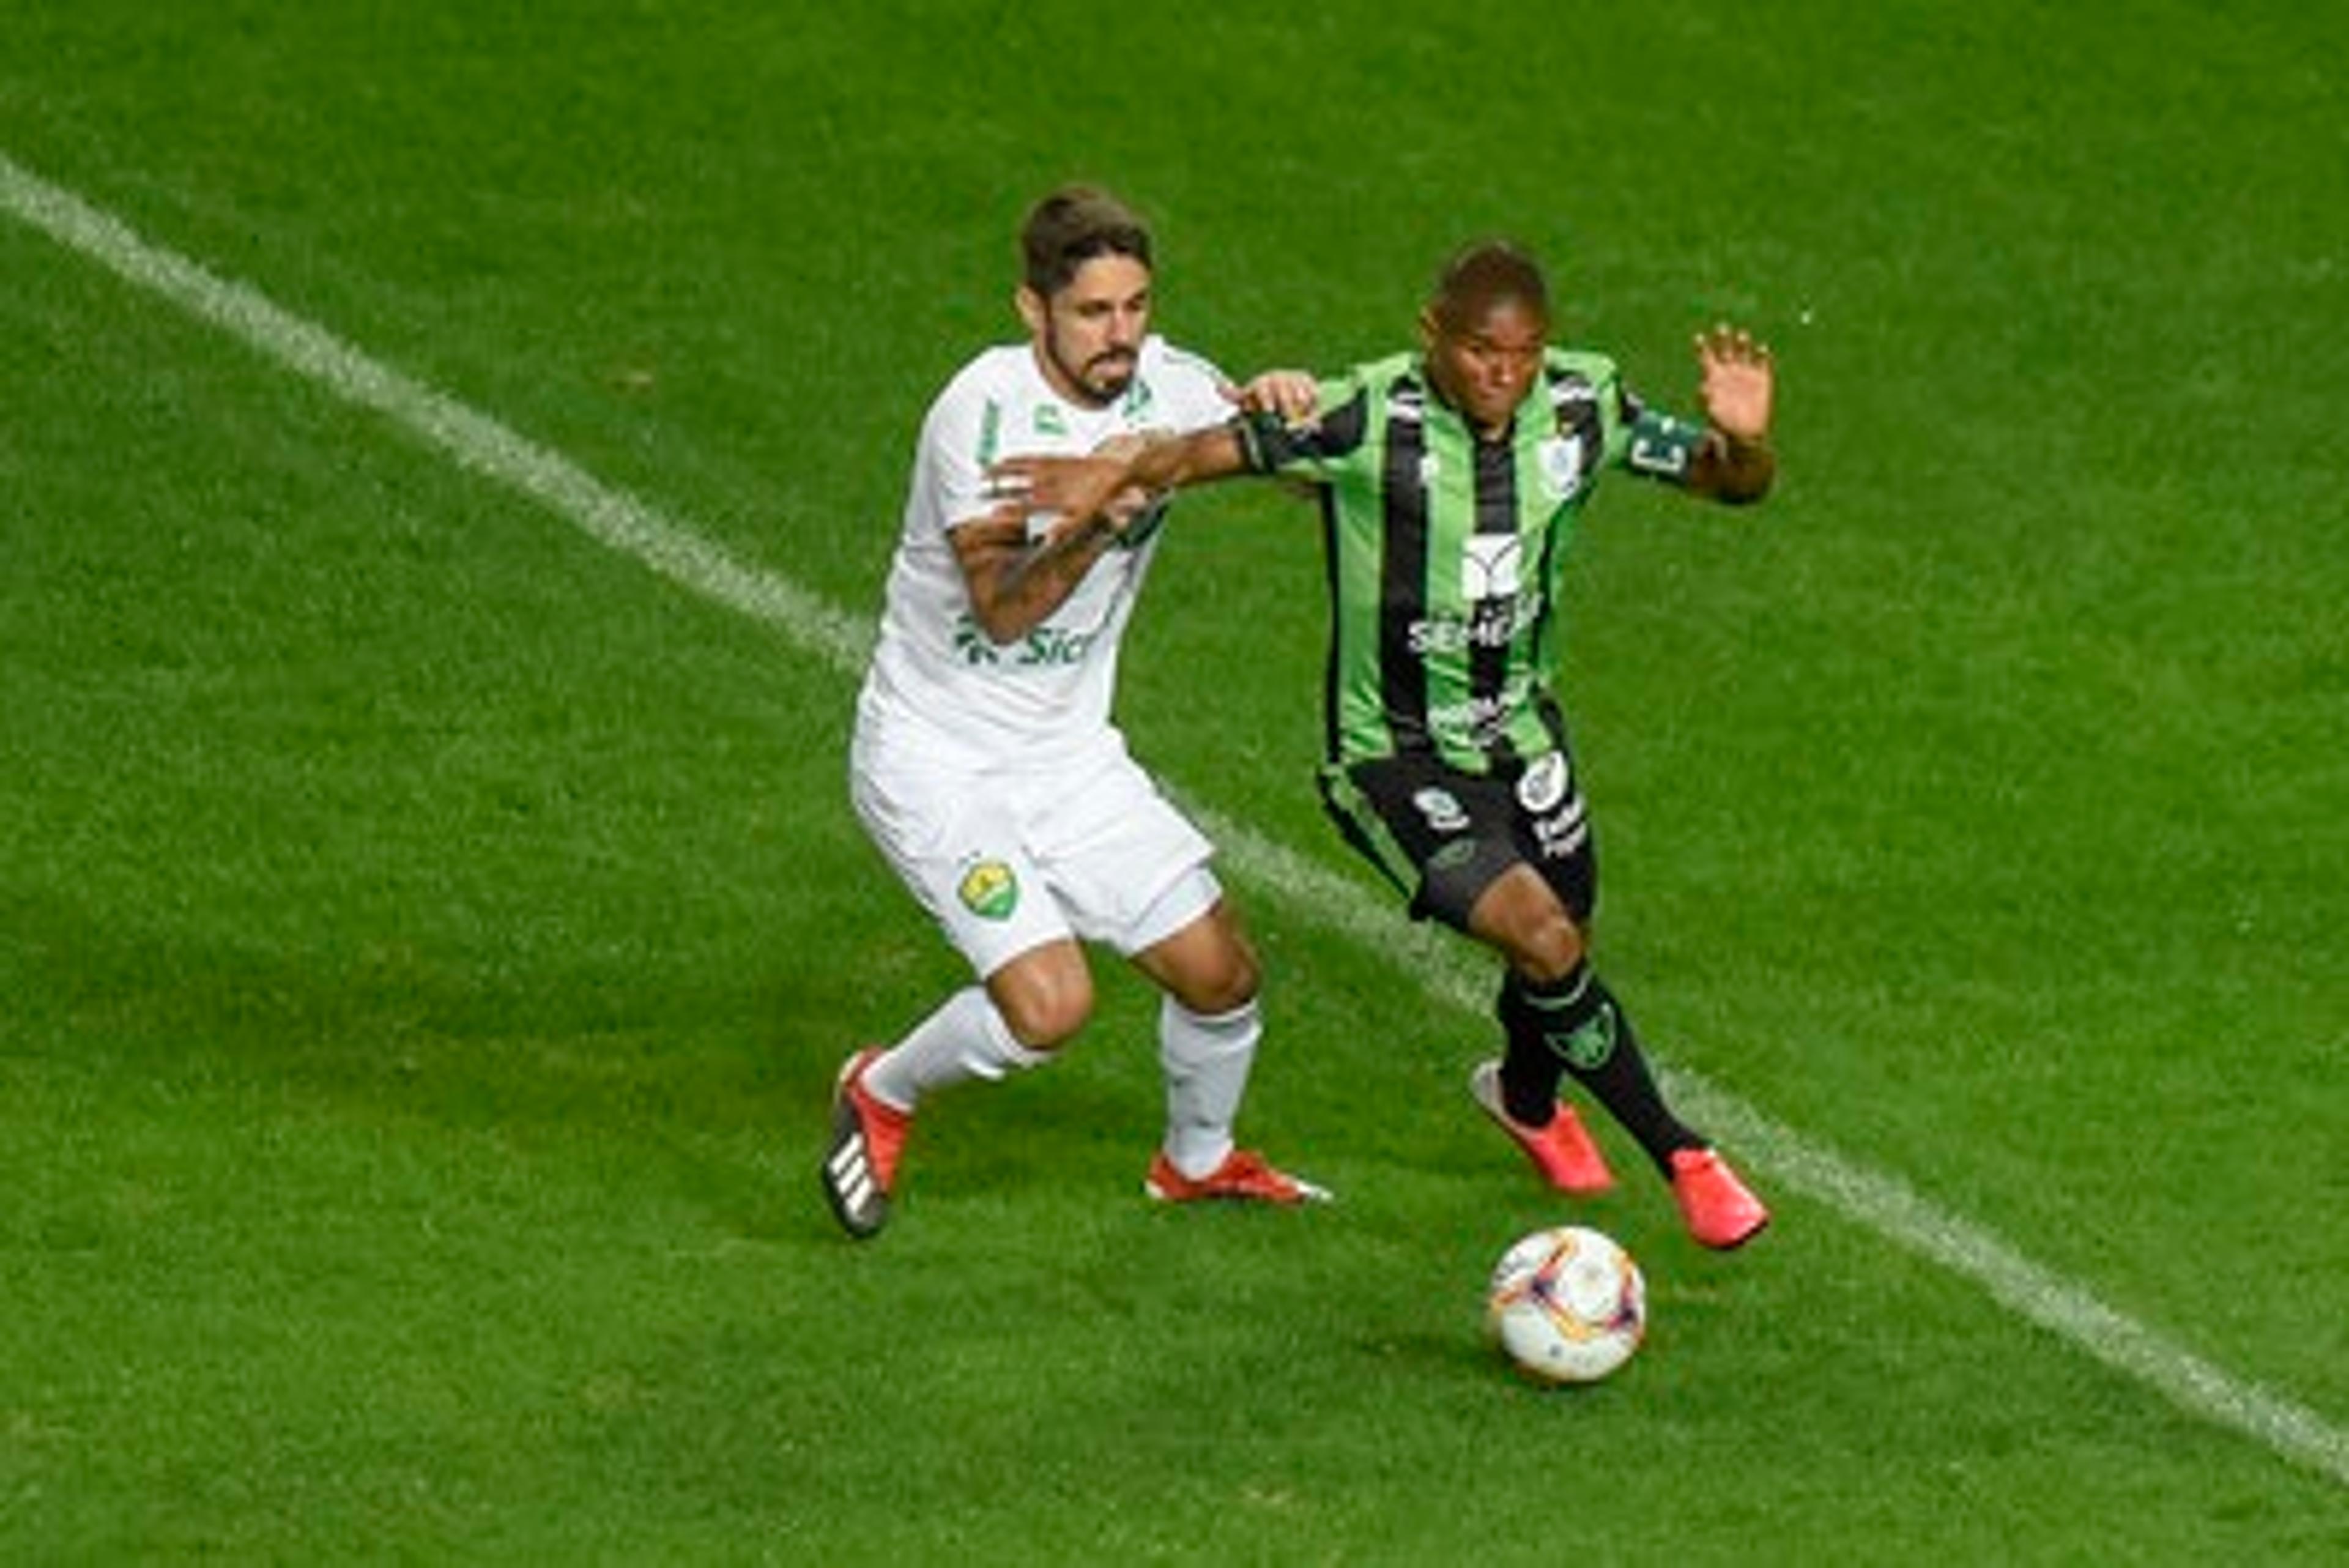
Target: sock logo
1589	1044
989	890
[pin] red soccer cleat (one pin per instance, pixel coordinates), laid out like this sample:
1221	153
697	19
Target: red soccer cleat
1244	1177
1719	1209
1562	1151
860	1166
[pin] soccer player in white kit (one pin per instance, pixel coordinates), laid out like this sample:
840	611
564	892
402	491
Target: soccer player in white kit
985	763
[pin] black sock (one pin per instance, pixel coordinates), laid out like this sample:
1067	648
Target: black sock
1576	1024
1529	1075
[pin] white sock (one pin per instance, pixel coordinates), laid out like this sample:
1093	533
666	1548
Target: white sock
965	1038
1207	1061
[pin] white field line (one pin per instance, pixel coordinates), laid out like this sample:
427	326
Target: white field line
1444	967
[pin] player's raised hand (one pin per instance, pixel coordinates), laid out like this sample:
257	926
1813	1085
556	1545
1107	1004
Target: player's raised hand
1738	382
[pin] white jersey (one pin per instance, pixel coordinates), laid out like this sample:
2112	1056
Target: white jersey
937	685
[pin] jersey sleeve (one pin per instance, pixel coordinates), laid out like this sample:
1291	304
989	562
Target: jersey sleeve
1661	446
1315	452
1591	393
958	440
1197	393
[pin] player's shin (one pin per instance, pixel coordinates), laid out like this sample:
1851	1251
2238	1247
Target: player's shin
1206	1058
1576	1024
965	1038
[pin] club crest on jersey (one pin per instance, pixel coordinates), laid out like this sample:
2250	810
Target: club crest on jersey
1561	465
1488	566
989	890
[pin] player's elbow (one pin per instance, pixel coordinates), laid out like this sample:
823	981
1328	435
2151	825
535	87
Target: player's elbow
1005	605
1749	492
1003	625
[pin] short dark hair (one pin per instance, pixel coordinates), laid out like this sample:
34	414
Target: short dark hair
1484	275
1071	227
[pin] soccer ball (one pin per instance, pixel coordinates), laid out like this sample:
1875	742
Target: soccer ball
1567	1304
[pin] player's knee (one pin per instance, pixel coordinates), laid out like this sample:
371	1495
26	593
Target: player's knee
1550	949
1209	966
1230	983
1043	1006
1050	1022
1522	916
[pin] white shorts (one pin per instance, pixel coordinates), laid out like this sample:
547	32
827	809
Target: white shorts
1008	860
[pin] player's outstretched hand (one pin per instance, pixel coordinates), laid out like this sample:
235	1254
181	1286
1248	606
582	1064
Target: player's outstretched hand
1738	382
1293	395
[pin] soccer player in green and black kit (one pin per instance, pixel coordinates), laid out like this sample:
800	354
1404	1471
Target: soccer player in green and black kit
1450	482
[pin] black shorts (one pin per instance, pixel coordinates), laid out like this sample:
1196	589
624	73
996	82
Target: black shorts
1442	836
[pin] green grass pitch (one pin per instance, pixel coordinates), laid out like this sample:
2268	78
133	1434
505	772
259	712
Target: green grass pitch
427	935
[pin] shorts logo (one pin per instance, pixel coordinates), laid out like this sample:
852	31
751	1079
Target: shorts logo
1453	855
1443	810
989	890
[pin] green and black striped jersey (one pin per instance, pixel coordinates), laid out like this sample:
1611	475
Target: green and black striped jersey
1446	553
